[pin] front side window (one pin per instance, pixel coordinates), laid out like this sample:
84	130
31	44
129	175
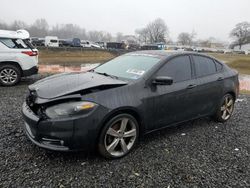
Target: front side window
13	43
178	68
204	66
129	67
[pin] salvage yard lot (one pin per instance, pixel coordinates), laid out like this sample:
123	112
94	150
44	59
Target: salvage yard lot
76	57
199	153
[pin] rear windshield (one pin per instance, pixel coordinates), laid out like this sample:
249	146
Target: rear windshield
16	43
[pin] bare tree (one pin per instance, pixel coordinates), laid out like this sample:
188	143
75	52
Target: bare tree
94	36
119	37
186	38
142	35
66	31
105	37
3	25
17	24
241	33
97	36
39	28
156	31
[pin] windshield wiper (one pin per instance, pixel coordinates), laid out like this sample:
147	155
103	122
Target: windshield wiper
106	74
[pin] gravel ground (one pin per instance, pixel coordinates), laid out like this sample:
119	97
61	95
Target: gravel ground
200	153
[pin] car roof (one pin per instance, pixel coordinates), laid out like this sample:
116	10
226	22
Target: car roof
19	34
164	53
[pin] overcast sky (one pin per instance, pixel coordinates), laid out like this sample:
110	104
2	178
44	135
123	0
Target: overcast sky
206	17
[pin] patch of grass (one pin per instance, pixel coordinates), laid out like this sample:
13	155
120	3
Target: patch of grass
245	92
241	65
76	57
228	58
240	62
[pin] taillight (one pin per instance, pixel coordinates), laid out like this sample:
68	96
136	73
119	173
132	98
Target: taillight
30	53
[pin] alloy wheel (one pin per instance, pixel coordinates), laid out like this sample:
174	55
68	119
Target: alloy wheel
120	137
8	76
227	107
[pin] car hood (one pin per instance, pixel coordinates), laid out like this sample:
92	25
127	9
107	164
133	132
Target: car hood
69	83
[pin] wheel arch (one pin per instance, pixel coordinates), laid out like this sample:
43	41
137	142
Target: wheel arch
12	63
232	93
124	110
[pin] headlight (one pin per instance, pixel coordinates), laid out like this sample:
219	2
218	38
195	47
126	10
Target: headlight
70	109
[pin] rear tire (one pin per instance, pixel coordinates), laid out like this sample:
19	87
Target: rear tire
118	136
225	108
10	75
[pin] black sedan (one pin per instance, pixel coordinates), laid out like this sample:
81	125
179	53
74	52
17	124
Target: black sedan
110	106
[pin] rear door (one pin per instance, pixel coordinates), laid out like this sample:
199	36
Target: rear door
209	83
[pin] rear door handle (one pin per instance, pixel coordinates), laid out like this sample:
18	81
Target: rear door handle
191	86
220	78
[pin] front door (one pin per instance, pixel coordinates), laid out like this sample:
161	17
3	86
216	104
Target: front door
167	104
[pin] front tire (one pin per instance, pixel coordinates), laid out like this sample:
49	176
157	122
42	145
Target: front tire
10	75
225	109
118	137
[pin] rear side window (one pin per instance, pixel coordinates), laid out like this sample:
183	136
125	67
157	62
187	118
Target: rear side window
14	43
204	66
179	68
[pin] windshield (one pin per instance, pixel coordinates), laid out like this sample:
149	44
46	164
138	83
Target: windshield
129	67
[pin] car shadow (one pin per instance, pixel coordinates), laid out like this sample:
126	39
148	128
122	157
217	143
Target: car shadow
155	136
176	129
31	79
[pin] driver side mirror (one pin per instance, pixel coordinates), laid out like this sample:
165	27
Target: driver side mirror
163	80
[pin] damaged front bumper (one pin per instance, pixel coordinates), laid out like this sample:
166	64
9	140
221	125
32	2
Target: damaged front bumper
65	134
47	134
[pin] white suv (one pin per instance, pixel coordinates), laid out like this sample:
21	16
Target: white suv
18	58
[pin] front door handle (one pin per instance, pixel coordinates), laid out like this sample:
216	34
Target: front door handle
220	78
191	86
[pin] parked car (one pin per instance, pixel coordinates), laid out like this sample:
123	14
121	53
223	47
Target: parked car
65	42
37	41
101	44
150	47
228	51
76	42
85	44
110	106
18	57
88	44
116	45
51	41
239	52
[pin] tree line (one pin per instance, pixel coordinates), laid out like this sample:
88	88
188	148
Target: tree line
40	28
154	32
